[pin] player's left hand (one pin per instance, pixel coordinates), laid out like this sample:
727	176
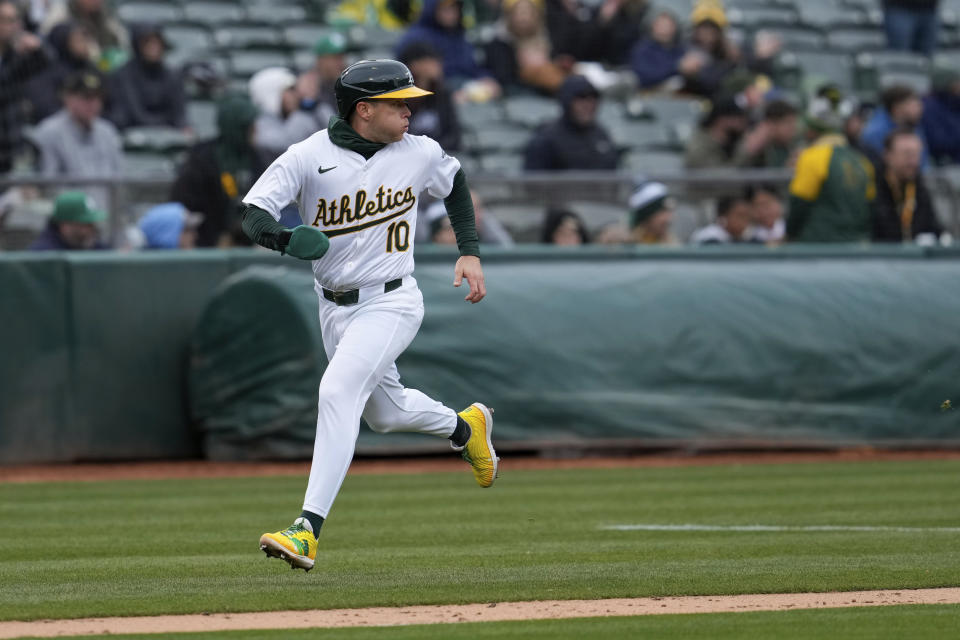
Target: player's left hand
469	267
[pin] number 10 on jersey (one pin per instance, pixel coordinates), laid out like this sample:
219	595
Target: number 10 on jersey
398	236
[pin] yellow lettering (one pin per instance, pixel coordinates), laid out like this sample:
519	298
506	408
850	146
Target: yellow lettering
321	213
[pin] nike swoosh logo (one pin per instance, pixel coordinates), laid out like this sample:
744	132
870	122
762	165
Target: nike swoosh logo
322	170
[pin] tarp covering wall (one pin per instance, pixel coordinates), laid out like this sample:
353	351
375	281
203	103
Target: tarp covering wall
794	346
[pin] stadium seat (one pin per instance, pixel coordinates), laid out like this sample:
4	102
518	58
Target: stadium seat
213	14
855	40
305	36
799	38
890	61
921	83
947	59
279	15
502	163
653	162
367	36
828	15
826	66
245	37
202	117
245	63
185	37
147	163
768	16
160	139
632	134
477	115
531	110
159	12
667	110
501	138
303	60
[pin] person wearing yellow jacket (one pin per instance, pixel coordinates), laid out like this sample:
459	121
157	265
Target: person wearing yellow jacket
832	186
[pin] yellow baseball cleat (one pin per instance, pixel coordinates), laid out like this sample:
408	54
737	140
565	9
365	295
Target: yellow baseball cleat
296	544
479	449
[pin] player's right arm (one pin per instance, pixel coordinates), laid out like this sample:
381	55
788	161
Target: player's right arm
275	189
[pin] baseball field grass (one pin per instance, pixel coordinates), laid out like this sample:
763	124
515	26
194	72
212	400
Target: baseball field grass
190	545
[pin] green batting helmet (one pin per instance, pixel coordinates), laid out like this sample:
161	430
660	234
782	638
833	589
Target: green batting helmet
374	79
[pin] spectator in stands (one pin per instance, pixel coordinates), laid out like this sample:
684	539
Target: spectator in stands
436	115
901	108
73	225
438	224
771	142
832	185
218	172
145	92
731	225
575	140
614	29
655	58
710	55
76	141
315	86
766	217
564	228
70	54
519	55
21	55
111	42
903	209
441	25
941	116
489	229
169	226
281	121
651	214
911	25
713	143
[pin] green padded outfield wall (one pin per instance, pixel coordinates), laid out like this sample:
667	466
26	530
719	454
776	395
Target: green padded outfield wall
710	347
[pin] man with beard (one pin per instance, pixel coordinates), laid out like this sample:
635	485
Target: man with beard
434	116
713	143
145	92
575	141
900	108
73	225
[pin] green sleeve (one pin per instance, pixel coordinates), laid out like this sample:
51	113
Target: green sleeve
797	217
459	206
264	230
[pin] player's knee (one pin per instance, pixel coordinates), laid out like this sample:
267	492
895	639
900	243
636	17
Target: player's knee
383	422
332	392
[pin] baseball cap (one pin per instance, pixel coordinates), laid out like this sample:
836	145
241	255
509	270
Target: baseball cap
163	224
709	11
330	44
646	200
85	82
76	206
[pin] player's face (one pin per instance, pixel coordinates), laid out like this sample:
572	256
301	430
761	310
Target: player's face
389	120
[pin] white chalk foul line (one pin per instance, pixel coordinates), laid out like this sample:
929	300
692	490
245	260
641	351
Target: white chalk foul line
773	528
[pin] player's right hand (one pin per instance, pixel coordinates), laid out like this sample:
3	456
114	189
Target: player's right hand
307	243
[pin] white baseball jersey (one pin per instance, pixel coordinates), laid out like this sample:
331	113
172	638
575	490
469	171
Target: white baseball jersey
368	208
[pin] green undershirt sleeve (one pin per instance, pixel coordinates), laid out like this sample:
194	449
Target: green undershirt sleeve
459	207
263	229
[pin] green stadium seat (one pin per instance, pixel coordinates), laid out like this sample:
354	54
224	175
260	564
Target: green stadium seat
279	15
148	163
245	37
247	62
921	83
891	61
366	36
303	60
188	37
531	110
819	66
632	134
830	16
202	117
159	12
666	109
799	38
502	163
477	115
305	36
855	40
768	16
947	59
494	139
160	139
652	161
213	14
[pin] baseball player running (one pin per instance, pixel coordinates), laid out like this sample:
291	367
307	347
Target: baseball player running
358	184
